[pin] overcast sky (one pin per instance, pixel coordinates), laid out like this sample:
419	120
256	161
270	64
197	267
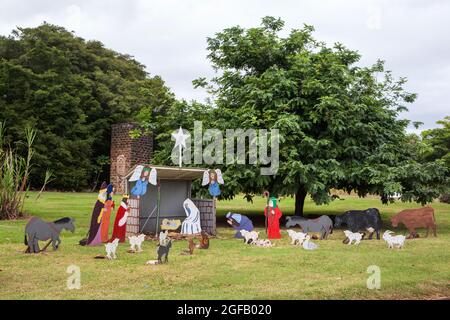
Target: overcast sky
169	36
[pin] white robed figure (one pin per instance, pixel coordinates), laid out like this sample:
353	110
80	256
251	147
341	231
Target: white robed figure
191	224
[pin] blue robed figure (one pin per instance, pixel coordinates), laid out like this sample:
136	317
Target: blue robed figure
239	222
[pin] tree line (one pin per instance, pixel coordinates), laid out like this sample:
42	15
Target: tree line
339	122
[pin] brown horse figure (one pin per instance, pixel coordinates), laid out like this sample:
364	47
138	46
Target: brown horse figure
416	218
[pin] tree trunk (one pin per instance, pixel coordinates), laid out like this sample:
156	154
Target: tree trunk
300	200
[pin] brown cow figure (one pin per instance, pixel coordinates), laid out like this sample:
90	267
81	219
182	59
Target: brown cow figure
416	218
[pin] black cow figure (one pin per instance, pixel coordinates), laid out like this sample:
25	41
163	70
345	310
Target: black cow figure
361	220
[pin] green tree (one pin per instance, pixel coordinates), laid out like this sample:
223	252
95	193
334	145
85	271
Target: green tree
71	90
338	122
439	141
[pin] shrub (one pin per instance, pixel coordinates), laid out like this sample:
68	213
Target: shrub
14	173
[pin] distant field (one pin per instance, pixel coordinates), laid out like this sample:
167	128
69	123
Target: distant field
229	269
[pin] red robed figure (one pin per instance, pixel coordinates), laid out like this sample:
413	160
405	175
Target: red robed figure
120	223
273	216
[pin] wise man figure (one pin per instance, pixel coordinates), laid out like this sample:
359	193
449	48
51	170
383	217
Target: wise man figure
273	215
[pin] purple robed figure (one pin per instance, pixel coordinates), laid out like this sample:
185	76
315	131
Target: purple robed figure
239	222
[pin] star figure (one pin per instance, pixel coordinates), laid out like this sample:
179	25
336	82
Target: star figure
180	138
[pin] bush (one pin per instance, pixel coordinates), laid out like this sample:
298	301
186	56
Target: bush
14	173
445	198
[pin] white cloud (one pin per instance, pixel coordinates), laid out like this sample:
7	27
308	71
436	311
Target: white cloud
169	36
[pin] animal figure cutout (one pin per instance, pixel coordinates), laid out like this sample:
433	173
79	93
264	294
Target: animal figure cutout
297	238
323	224
353	236
392	241
163	251
204	241
266	243
170	224
143	176
307	245
136	242
191	225
163	236
360	220
111	248
249	236
190	249
416	218
38	229
213	178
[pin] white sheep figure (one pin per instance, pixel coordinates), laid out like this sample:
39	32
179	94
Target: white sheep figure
309	245
392	241
111	248
136	242
297	238
353	236
249	236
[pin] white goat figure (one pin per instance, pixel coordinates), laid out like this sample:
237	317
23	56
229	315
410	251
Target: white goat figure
249	236
353	236
392	241
136	242
297	238
309	245
111	248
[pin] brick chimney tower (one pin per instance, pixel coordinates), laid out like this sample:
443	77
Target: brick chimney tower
126	152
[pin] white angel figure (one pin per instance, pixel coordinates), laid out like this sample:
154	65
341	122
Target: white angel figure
143	175
191	224
213	178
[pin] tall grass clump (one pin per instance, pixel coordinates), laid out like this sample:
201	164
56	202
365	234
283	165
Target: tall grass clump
14	174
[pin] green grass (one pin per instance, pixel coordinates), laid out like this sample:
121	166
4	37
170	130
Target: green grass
229	269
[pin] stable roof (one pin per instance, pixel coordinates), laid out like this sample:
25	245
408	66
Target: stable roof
173	173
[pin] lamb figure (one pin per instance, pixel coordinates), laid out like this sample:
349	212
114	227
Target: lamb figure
136	242
111	248
249	236
297	238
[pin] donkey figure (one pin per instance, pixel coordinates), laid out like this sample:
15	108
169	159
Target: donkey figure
38	229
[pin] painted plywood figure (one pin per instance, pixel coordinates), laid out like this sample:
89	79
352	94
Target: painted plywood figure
273	215
94	229
120	223
239	222
213	178
191	225
143	176
106	214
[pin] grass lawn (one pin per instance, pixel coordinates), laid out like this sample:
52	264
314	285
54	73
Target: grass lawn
229	269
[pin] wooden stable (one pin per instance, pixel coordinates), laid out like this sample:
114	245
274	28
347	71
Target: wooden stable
165	200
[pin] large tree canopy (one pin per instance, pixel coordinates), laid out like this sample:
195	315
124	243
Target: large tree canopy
71	91
339	122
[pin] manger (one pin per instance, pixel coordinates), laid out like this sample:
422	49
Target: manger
164	200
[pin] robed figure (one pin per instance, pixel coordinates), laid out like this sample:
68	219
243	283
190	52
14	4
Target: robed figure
94	229
273	215
191	225
120	223
106	215
239	222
